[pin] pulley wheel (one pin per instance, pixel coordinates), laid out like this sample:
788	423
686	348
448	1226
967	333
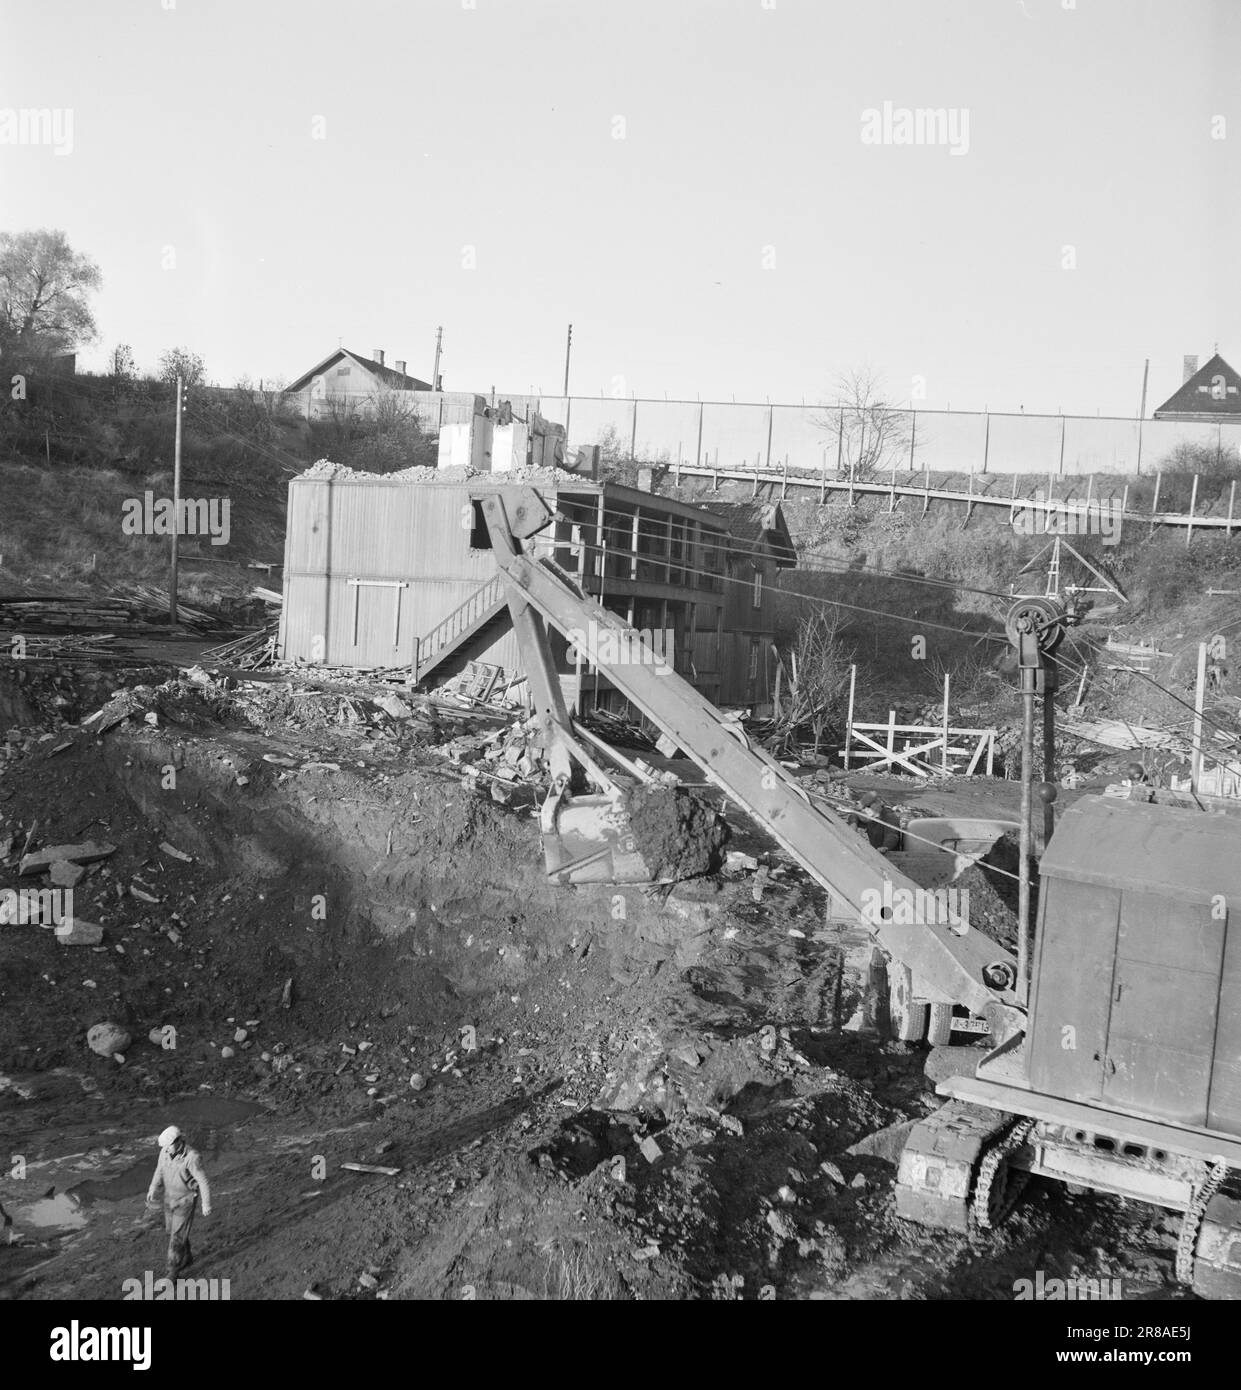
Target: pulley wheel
1047	618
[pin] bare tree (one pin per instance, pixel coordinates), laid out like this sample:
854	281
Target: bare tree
818	675
873	432
44	284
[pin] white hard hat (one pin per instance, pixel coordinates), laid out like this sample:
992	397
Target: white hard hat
169	1137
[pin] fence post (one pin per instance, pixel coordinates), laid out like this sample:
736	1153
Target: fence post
1089	495
698	449
840	444
1062	446
1012	504
892	492
633	437
947	682
849	720
986	444
771	417
1193	498
891	736
823	480
1155	502
1232	497
1195	765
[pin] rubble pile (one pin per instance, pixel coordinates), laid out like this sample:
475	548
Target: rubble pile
501	760
325	471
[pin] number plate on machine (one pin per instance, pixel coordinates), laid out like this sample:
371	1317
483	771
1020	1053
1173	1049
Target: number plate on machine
970	1025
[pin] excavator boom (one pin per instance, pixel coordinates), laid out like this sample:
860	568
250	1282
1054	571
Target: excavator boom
949	964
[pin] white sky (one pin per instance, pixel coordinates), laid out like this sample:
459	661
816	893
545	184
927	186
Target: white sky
492	127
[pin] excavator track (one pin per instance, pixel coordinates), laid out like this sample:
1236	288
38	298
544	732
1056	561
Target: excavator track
999	1187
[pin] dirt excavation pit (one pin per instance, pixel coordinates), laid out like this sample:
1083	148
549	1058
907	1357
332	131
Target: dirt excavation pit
328	947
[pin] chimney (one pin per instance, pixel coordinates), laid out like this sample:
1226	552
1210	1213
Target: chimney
378	355
1189	366
400	366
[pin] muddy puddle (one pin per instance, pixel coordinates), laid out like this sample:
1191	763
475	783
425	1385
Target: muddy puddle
51	1214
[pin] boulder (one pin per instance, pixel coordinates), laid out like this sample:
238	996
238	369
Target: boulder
64	873
107	1039
76	932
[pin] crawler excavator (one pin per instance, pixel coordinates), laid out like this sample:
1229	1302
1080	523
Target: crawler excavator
1115	1031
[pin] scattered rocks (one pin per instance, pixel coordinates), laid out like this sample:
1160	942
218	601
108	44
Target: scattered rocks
86	853
782	1224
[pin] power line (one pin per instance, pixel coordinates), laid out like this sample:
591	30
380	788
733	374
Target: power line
736	546
813	598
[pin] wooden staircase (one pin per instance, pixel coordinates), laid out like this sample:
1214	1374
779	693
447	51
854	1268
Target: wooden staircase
453	631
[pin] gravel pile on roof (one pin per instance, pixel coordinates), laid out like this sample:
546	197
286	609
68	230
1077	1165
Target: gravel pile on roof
324	470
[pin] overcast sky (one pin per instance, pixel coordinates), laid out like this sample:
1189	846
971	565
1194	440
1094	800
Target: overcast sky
687	181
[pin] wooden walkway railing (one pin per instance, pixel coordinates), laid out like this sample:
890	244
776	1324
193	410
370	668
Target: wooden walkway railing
1081	511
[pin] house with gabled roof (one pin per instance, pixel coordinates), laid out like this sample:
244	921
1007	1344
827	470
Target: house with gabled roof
1209	393
347	379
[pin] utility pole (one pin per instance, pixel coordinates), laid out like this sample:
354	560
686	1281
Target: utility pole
568	348
176	510
435	374
1146	371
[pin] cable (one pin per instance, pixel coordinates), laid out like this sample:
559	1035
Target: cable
736	546
814	598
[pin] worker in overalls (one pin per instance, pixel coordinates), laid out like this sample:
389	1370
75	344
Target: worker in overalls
180	1173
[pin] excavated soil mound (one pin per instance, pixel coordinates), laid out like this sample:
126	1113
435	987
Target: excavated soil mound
676	833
